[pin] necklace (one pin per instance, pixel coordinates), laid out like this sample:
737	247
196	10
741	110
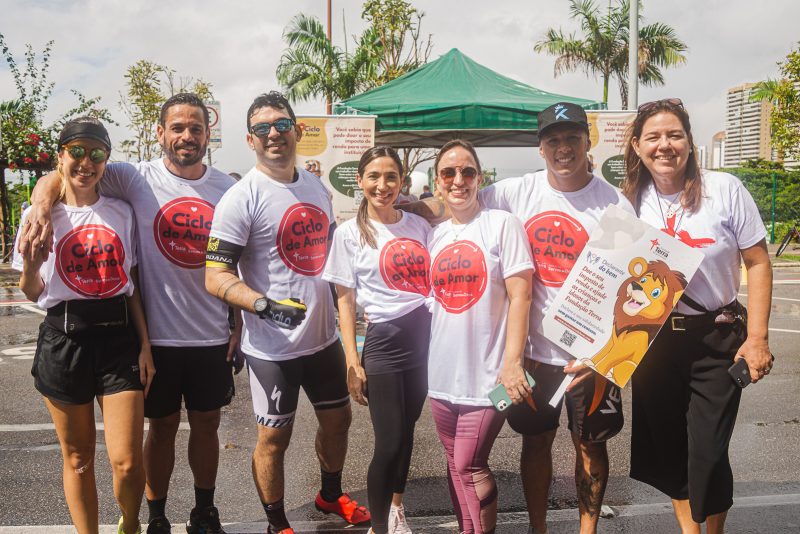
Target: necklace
670	225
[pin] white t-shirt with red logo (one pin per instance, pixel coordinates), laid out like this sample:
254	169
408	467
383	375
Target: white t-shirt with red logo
284	229
469	265
173	218
558	225
727	221
390	280
93	252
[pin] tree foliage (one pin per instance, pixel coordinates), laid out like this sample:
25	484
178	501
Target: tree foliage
784	95
147	86
602	50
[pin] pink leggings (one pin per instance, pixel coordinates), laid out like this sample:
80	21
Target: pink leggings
468	433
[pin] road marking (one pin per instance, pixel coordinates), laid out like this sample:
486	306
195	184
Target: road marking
743	295
784	330
425	524
34	309
39	427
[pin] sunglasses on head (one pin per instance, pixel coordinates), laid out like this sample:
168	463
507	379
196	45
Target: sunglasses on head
448	173
674	102
78	152
262	129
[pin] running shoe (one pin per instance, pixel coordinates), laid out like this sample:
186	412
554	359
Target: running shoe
204	521
282	531
397	520
159	525
345	507
120	531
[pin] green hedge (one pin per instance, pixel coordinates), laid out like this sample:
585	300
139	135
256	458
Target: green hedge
787	193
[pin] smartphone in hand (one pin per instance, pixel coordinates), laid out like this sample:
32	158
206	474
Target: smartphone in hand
740	373
499	395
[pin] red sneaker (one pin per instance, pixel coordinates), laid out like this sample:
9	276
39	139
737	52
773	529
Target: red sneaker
284	531
344	507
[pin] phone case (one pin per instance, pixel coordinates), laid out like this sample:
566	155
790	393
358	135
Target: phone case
740	373
500	398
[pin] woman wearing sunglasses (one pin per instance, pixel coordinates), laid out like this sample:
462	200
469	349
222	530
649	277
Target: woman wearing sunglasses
93	342
481	280
684	401
392	373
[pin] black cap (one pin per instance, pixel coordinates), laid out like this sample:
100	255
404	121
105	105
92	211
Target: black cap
562	113
84	130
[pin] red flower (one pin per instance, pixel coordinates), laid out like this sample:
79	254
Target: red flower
12	166
44	156
28	161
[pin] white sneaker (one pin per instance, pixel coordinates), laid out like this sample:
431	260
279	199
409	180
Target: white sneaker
397	520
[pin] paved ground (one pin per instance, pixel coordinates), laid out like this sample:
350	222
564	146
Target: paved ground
764	454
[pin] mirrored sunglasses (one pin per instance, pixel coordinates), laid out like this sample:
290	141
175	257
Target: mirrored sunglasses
675	102
96	155
262	129
448	173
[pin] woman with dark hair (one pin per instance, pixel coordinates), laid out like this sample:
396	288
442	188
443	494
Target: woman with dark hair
93	342
392	371
481	278
684	401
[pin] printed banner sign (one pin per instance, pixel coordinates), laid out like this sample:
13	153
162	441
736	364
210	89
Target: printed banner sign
623	287
330	147
607	131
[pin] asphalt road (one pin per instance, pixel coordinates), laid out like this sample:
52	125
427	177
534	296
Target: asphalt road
764	453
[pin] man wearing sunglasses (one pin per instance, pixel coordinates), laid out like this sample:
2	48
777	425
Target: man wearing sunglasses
174	199
273	229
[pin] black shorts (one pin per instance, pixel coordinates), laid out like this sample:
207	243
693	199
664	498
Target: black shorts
593	418
73	369
398	345
275	386
684	409
200	376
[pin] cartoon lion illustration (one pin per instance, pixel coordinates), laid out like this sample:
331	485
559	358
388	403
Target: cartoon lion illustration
644	301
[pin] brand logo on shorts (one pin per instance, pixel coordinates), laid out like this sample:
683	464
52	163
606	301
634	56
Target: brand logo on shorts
459	276
556	241
405	264
181	229
303	239
90	261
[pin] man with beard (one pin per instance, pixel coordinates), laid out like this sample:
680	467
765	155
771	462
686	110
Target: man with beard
193	347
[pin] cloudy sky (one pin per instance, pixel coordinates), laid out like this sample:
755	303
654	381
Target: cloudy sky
236	45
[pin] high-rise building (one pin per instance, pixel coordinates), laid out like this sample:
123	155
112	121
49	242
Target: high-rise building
702	156
747	134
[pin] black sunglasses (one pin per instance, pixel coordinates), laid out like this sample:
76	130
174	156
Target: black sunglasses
78	152
262	129
674	102
449	173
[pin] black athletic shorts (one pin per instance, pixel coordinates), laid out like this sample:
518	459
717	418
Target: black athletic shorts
275	385
594	406
200	376
398	345
73	369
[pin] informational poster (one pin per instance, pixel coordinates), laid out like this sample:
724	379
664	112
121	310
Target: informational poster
623	287
215	124
330	148
607	131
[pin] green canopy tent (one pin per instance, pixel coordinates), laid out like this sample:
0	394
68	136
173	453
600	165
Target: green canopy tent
455	97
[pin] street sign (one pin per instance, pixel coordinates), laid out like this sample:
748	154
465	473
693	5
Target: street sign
215	124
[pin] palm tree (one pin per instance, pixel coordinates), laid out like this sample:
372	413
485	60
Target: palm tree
313	67
603	49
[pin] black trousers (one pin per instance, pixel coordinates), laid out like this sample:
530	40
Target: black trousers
684	409
395	403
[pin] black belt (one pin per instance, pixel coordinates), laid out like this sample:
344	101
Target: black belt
76	316
679	322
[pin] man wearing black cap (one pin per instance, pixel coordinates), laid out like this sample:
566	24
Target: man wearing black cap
174	199
560	207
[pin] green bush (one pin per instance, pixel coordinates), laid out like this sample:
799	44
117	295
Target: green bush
787	194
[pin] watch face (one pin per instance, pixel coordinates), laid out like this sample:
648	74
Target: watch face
260	305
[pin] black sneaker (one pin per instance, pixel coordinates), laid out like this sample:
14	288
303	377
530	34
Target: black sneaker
159	525
205	521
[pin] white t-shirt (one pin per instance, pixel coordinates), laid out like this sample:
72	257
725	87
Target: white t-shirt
470	310
558	225
390	280
284	229
727	221
93	252
173	218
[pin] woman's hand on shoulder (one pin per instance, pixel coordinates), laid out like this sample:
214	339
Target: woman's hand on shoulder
758	357
357	383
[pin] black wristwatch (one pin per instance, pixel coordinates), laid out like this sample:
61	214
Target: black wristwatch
261	306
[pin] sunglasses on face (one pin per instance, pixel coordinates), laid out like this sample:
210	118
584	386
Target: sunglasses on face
262	129
674	102
96	155
449	173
